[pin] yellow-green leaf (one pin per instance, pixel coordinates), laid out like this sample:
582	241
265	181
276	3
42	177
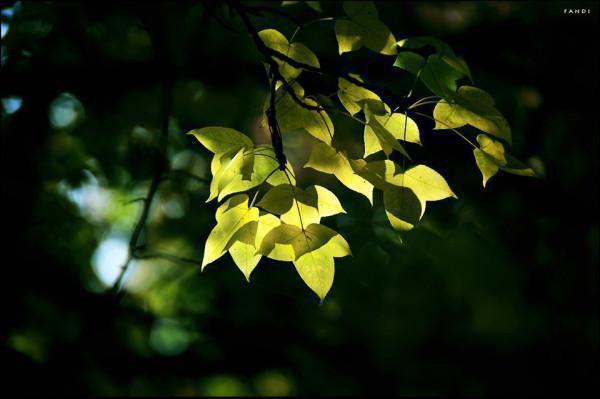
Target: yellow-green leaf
296	51
402	207
221	139
351	95
326	159
398	125
231	216
363	28
292	116
473	107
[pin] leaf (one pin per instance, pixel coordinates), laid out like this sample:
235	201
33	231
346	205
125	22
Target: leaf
435	73
317	268
473	107
231	216
363	28
425	183
245	242
441	48
301	207
398	125
402	207
351	95
326	159
273	39
263	163
221	139
315	5
386	140
490	157
292	116
246	169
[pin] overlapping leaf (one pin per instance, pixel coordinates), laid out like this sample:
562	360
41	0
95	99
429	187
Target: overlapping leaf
300	207
475	107
362	27
398	125
312	250
491	157
234	214
292	116
327	159
275	40
351	95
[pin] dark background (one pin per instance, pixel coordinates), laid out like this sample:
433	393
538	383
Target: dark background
493	293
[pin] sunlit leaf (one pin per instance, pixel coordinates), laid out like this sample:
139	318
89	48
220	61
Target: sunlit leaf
221	139
292	116
300	207
398	125
296	51
245	242
363	28
439	76
473	107
490	157
231	216
386	140
327	159
351	95
402	207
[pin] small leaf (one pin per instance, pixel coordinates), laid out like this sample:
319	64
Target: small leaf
435	73
402	207
350	95
221	139
231	216
474	107
491	157
363	28
398	125
326	159
297	51
292	116
387	141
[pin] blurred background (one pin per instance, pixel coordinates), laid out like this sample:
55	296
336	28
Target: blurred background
493	293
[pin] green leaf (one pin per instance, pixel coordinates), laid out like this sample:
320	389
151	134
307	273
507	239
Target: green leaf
246	169
490	157
441	48
398	125
301	207
297	51
363	28
245	242
292	116
351	95
384	138
231	216
402	207
326	159
473	107
221	139
435	73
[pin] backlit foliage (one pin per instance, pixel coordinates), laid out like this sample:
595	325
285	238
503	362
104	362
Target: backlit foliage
265	214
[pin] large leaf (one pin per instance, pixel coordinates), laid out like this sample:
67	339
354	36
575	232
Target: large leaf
363	28
398	125
231	216
221	139
300	207
326	159
351	95
490	157
296	51
475	107
292	116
